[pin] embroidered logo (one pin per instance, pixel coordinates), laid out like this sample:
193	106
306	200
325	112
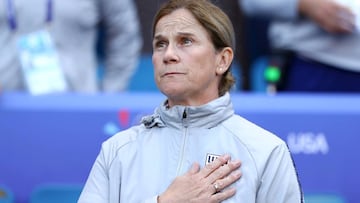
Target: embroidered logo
210	158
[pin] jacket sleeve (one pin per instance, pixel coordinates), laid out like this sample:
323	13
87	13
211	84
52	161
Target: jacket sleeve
279	181
282	9
122	42
96	188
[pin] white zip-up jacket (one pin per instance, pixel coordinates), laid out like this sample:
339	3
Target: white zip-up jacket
138	164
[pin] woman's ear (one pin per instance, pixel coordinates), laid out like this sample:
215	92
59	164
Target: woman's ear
225	57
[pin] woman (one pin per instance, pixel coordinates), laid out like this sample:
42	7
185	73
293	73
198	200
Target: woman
190	149
67	33
315	46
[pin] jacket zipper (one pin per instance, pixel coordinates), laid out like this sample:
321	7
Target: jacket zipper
181	160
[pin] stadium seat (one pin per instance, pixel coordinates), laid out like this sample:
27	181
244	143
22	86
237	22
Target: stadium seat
323	198
237	73
143	78
6	195
56	193
257	78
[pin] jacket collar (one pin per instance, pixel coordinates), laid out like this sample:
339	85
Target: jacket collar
205	116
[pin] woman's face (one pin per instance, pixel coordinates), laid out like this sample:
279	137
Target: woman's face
185	60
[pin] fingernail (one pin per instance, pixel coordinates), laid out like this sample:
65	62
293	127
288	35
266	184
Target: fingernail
236	162
226	156
236	173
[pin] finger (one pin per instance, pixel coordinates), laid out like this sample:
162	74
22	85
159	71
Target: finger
223	195
209	168
195	167
224	170
221	184
346	19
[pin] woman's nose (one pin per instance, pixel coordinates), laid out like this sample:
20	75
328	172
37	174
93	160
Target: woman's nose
170	55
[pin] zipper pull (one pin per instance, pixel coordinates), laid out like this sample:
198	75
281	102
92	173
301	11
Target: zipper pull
184	114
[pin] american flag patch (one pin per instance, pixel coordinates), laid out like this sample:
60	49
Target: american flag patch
210	158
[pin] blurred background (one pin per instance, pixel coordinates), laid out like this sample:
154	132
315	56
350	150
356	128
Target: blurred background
48	142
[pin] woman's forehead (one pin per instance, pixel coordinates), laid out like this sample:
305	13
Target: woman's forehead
180	21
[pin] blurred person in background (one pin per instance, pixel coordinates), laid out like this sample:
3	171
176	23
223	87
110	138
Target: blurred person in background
51	45
316	42
191	148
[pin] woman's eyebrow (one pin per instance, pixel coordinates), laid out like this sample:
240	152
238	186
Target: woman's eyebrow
189	34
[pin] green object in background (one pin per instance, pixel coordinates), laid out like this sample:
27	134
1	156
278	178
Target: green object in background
272	74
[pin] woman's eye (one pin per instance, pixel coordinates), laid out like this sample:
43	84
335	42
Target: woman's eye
186	41
160	44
